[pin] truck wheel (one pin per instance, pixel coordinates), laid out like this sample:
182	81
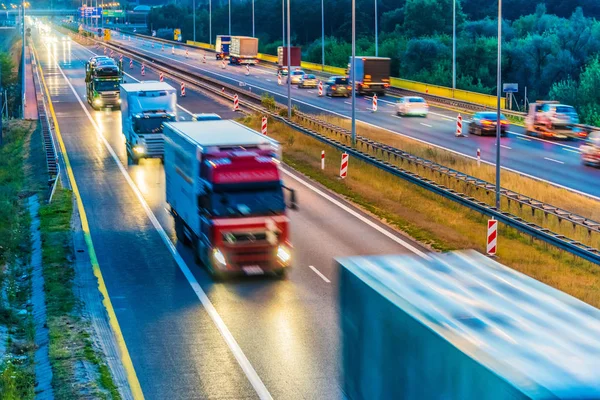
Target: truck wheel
281	273
180	232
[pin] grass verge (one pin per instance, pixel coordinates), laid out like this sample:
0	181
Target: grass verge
72	353
438	223
17	378
541	191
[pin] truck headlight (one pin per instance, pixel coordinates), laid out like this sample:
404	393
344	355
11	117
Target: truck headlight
283	254
219	257
97	101
139	149
119	101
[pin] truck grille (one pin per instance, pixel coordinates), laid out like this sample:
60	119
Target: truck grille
109	96
261	256
244	237
155	145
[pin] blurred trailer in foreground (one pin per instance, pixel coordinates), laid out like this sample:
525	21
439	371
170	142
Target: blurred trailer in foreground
462	326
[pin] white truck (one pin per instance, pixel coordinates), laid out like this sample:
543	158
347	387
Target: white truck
243	50
226	194
145	107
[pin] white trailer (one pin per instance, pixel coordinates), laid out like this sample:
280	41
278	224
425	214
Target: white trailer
243	50
145	107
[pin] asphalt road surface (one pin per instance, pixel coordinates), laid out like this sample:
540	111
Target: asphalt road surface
187	336
557	162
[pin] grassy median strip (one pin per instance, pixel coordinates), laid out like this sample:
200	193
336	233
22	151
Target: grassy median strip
72	353
438	223
540	191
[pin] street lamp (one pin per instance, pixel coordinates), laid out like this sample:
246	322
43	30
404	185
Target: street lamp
289	62
454	44
353	69
24	102
253	35
322	36
376	41
209	21
283	23
229	17
499	95
194	18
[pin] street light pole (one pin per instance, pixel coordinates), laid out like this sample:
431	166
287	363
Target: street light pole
209	21
322	35
23	71
453	44
253	33
229	17
289	63
376	41
194	18
283	23
499	95
353	69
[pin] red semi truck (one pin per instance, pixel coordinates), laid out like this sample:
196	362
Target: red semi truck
226	194
282	61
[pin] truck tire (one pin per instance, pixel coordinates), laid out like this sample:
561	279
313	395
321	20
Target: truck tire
180	232
281	273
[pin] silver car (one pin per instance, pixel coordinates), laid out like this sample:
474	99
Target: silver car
412	105
295	76
308	81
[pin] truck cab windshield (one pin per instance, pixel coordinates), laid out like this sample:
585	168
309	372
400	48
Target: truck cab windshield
106	86
150	125
241	200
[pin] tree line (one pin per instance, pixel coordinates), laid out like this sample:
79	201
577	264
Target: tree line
551	47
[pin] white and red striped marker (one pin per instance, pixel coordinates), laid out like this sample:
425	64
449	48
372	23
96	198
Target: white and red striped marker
478	157
320	88
112	53
130	63
105	51
459	126
160	77
186	53
236	103
143	70
263	126
322	159
344	166
279	79
492	237
152	44
223	64
182	89
374	107
97	45
162	48
121	58
203	58
247	69
173	50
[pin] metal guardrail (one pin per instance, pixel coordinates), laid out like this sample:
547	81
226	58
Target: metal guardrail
49	145
558	240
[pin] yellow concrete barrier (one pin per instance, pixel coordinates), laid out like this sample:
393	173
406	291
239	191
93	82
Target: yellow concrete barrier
434	90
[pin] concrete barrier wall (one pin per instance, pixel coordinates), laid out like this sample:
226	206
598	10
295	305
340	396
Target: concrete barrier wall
425	88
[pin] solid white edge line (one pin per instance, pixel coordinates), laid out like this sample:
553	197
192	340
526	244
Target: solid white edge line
361	218
316	271
241	358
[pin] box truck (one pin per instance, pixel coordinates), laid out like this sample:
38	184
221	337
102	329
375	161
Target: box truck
222	47
462	326
225	192
372	75
243	50
145	107
282	61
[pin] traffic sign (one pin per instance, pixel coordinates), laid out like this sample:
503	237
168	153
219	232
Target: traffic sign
510	88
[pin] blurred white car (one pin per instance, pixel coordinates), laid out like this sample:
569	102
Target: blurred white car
296	75
412	105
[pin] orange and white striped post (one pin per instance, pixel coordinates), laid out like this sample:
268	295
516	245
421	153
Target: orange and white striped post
320	88
143	70
478	157
247	69
322	159
203	58
182	89
173	50
263	126
344	166
187	54
161	77
374	109
130	63
105	51
223	64
279	79
492	237
236	103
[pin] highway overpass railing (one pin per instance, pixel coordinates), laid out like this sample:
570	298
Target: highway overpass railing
253	101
